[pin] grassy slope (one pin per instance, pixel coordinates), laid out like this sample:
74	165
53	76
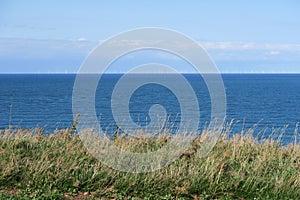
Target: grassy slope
58	166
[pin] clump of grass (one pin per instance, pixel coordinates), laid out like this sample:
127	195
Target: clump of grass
57	166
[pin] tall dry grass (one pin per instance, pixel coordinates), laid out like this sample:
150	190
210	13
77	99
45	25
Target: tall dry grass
57	166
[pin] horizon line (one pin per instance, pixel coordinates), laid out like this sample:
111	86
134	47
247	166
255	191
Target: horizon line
74	73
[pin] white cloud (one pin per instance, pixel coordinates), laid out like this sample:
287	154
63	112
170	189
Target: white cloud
82	39
227	54
43	48
249	46
273	53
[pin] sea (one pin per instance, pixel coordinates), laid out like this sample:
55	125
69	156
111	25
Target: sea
267	104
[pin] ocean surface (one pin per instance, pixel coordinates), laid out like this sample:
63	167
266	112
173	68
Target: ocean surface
268	102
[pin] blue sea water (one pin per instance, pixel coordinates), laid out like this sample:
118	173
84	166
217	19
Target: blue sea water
270	100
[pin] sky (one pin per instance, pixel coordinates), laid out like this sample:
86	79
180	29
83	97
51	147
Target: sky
240	36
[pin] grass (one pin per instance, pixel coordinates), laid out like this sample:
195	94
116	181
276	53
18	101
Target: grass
58	166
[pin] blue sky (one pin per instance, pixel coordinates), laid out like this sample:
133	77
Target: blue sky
240	36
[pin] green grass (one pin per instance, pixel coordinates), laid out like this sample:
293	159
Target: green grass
58	166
